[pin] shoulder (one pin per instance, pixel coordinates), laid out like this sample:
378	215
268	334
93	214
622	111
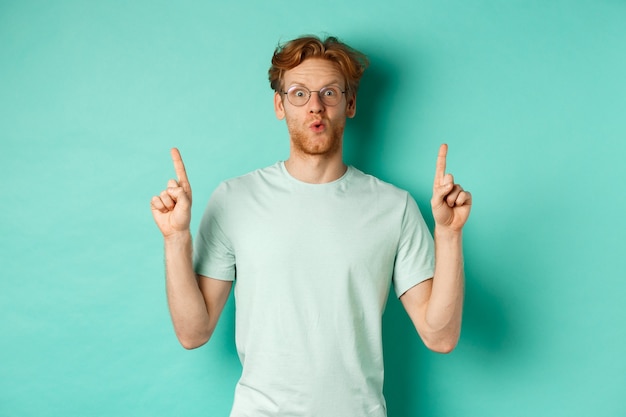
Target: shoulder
237	193
371	184
250	181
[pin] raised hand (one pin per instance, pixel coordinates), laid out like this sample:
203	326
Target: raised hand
172	208
450	203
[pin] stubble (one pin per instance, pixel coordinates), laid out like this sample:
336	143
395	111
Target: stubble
327	143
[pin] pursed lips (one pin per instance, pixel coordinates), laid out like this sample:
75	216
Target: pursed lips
317	125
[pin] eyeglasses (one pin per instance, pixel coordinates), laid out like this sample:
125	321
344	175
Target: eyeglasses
299	96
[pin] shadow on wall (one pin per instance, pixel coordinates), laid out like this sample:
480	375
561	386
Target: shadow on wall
403	355
410	366
409	390
363	137
363	133
487	329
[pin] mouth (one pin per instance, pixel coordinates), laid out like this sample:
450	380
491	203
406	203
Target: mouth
317	126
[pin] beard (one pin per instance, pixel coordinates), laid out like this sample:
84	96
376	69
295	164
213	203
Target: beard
306	142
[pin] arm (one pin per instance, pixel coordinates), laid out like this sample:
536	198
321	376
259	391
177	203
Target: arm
195	302
436	306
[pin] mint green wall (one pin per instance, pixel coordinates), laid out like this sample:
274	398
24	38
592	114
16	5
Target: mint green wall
530	95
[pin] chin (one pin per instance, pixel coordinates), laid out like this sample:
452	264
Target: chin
316	146
318	149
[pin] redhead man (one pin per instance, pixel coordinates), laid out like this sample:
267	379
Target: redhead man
313	247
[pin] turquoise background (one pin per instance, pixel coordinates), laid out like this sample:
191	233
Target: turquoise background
530	95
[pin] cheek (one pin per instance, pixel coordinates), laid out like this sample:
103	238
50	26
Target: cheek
339	115
292	122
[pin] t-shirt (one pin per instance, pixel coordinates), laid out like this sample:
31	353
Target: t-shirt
313	265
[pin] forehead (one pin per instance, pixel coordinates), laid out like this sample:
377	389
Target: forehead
314	72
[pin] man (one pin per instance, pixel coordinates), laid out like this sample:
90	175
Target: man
314	246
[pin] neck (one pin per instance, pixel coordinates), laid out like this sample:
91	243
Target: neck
315	169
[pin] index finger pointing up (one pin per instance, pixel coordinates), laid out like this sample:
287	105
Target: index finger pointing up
441	164
179	166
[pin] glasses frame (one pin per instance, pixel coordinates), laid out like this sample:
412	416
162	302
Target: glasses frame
310	93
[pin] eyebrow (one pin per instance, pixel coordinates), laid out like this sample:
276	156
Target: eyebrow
299	84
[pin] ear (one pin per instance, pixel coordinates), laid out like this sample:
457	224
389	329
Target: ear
351	107
279	109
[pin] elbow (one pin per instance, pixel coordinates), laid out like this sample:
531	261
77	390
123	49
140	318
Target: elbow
444	347
441	339
191	342
441	343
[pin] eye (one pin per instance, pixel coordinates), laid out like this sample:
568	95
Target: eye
298	92
330	92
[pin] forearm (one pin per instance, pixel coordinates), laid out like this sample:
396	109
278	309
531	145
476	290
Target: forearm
445	306
186	304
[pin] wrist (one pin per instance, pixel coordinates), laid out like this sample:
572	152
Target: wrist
177	237
446	233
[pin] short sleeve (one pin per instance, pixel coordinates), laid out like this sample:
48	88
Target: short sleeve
213	253
415	257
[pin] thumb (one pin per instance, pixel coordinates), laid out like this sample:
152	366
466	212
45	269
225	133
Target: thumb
441	191
179	196
180	184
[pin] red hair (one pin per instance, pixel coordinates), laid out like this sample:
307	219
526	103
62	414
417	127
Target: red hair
351	63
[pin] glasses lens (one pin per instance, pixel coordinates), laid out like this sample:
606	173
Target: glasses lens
330	95
298	96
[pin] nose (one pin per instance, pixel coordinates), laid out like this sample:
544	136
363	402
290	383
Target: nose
315	103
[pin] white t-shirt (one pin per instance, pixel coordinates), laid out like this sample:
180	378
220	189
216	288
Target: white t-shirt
313	265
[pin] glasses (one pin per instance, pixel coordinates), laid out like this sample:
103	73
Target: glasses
299	96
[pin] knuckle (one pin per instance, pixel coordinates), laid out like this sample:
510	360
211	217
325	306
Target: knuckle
178	192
